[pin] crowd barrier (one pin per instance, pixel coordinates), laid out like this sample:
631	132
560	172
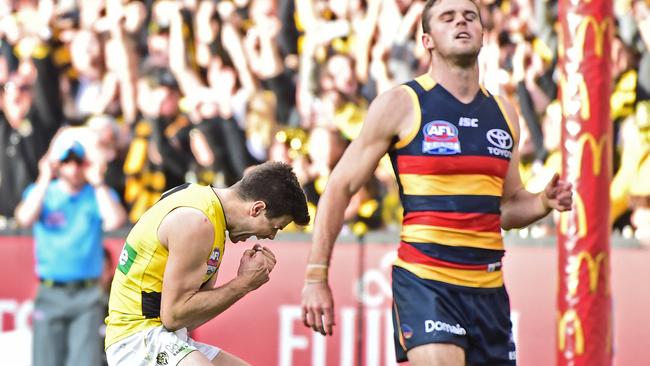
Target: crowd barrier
265	327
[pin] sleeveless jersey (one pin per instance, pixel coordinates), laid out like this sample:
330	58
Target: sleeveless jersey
134	303
450	171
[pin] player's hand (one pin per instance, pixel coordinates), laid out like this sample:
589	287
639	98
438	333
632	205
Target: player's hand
558	194
254	268
270	257
318	307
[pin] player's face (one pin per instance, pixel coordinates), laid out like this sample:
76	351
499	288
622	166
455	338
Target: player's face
456	30
261	227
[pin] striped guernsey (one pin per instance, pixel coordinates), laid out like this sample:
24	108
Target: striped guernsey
451	171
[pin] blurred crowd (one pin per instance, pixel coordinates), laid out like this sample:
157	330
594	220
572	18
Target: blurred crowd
163	92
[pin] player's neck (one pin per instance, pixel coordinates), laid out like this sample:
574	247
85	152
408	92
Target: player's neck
231	205
460	81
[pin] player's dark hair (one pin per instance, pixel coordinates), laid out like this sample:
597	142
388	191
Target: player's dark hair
426	14
275	184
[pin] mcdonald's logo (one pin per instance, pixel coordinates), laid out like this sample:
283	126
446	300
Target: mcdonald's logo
600	30
594	265
580	212
570	318
576	85
599	34
587	139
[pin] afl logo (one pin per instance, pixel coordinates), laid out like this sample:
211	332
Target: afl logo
214	257
499	138
213	262
440	131
440	138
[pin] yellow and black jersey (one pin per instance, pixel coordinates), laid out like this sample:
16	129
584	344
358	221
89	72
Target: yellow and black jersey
136	291
451	171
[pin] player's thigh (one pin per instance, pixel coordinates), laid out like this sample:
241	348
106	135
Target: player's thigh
194	358
226	359
439	354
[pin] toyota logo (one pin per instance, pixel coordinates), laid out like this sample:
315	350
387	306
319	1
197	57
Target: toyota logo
499	138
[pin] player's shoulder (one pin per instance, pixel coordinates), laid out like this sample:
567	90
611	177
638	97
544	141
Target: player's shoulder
393	104
395	97
389	113
185	221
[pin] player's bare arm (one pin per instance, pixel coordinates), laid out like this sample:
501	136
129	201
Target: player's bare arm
184	303
209	284
519	207
389	115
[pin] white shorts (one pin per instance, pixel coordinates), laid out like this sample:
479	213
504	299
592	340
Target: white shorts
156	347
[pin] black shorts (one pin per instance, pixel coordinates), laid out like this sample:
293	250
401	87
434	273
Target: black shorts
475	319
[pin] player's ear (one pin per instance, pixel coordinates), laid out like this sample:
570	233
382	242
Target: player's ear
427	42
257	208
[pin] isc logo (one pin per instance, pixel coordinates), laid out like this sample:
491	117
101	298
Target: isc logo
468	122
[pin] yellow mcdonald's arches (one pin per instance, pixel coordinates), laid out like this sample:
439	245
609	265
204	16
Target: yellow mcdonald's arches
570	316
599	34
596	148
594	265
582	91
580	212
599	29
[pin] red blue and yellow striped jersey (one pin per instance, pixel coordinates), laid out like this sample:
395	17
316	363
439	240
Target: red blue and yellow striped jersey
451	171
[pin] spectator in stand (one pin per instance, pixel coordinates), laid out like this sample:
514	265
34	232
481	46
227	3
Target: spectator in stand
30	116
109	148
69	213
157	159
88	63
264	57
217	105
261	124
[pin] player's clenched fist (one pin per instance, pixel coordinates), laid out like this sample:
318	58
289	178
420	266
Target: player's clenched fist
255	266
270	257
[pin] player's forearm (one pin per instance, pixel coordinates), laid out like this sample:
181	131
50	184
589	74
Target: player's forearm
203	306
329	220
523	209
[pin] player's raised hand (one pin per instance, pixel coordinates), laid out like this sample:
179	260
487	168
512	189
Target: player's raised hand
558	194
